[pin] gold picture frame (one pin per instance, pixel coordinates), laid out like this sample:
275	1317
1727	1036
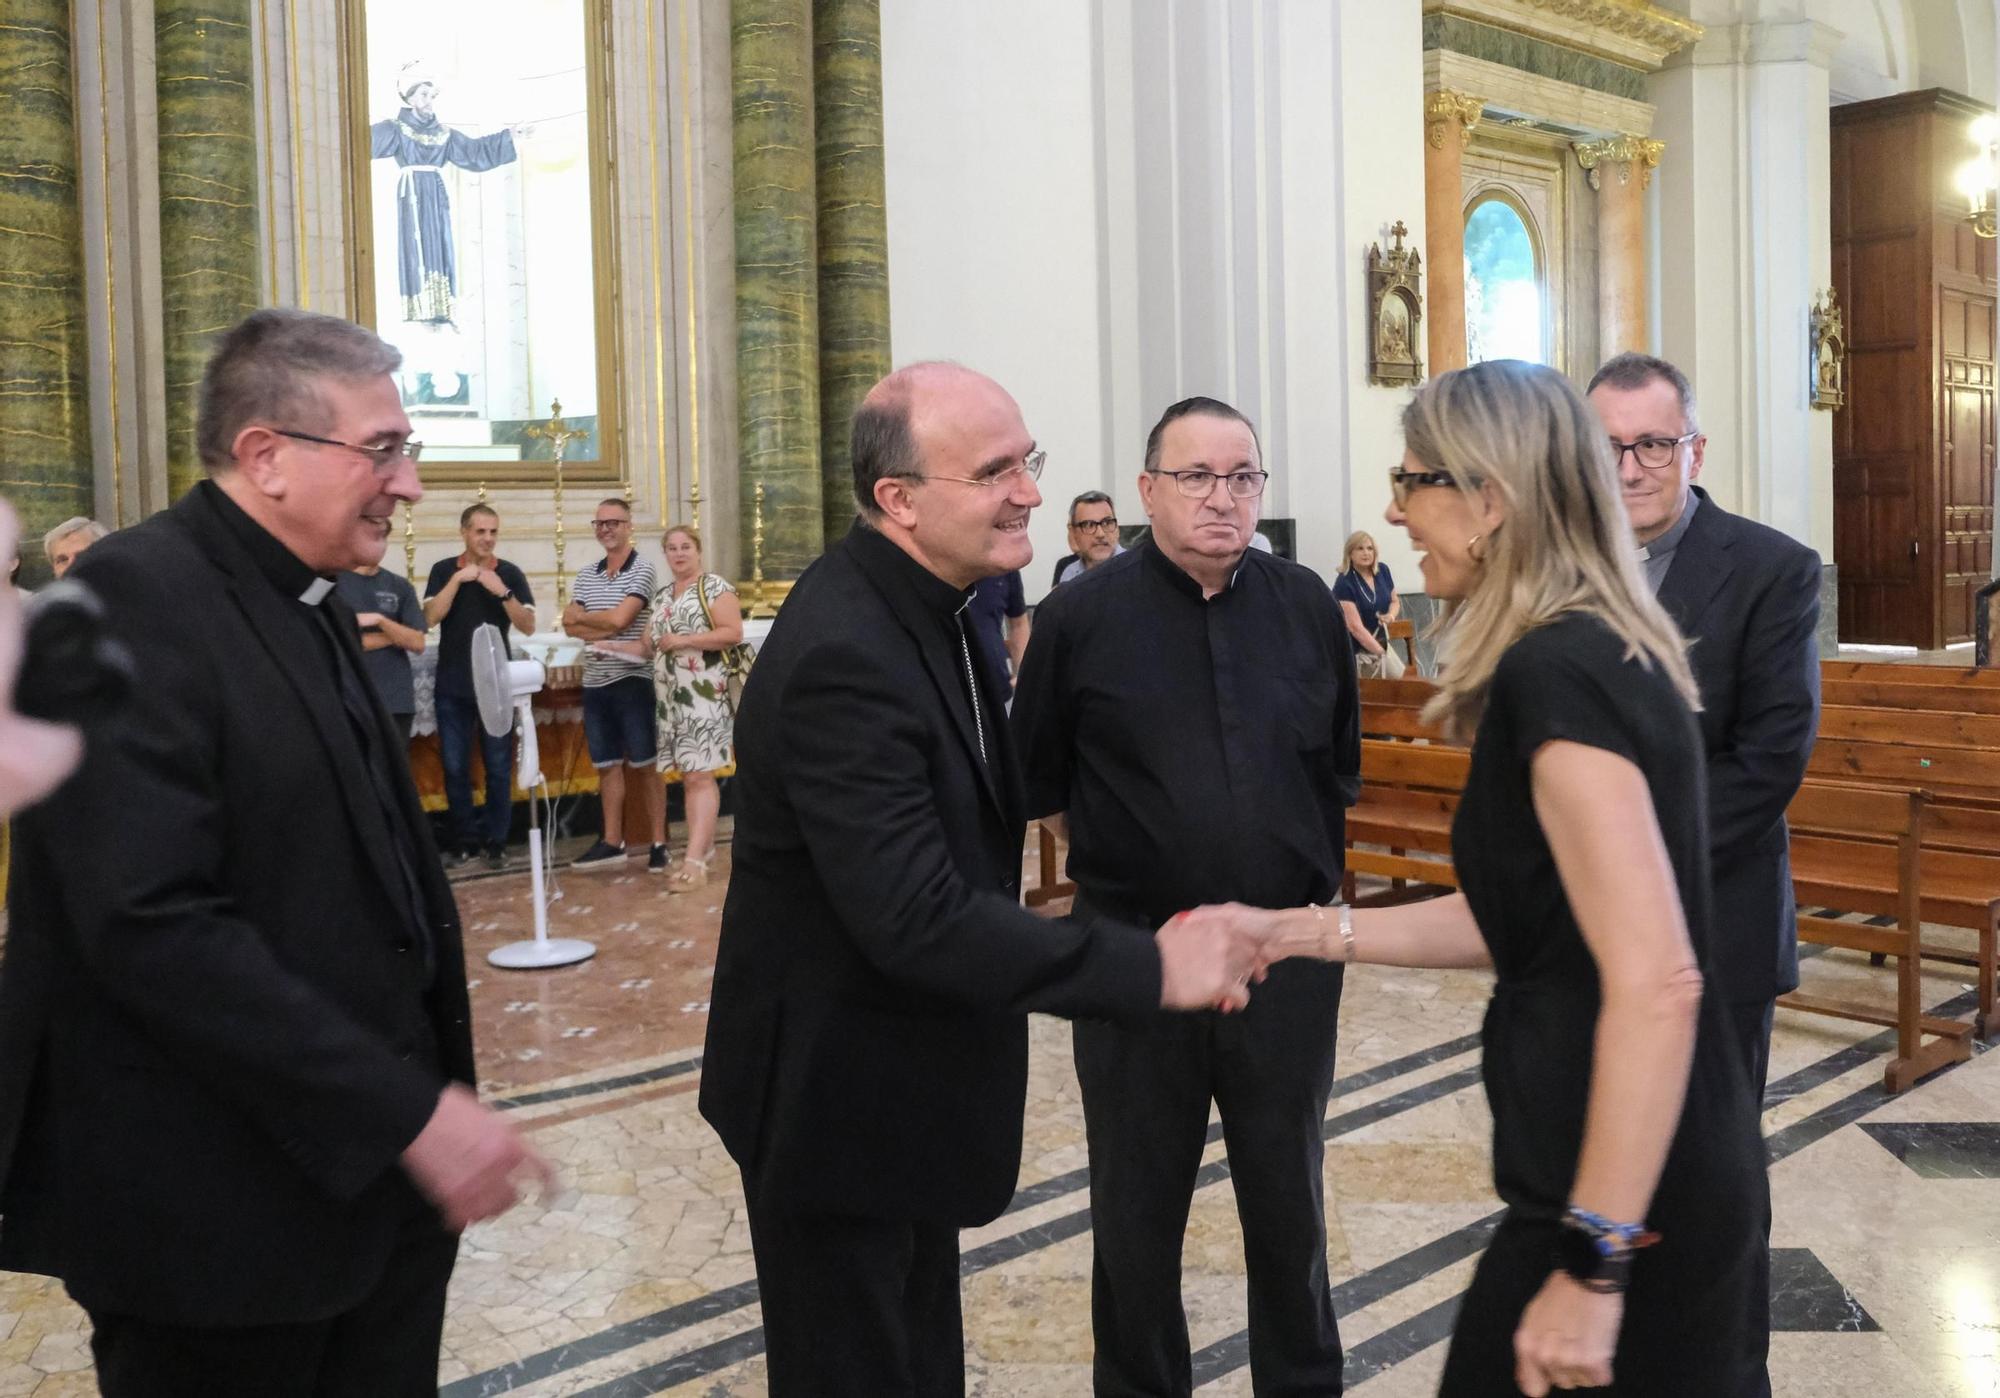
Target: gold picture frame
1826	353
1395	312
379	243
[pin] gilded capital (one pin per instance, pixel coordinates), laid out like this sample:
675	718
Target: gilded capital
1443	107
1622	155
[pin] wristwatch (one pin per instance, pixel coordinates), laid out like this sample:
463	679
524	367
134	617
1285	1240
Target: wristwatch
1597	1253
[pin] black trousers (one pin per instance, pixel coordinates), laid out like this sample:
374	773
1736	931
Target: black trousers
857	1306
1146	1095
385	1347
1752	1024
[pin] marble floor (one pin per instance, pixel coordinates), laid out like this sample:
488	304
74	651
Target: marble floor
636	1278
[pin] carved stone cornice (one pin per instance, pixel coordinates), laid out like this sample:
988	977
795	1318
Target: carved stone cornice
1632	32
1622	155
1443	107
1629	19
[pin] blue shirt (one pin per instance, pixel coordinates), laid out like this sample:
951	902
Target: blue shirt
1350	586
994	600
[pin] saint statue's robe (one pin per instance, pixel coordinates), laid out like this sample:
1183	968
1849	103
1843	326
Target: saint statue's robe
426	269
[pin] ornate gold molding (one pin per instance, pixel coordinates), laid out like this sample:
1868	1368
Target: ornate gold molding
1442	107
1630	19
1623	154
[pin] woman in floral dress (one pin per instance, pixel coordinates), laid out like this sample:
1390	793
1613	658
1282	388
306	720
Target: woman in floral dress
695	618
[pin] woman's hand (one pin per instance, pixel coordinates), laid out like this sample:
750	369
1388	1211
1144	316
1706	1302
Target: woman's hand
1566	1337
667	642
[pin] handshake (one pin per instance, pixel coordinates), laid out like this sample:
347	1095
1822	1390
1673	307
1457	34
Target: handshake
1210	957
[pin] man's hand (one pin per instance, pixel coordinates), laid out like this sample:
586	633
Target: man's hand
469	573
468	1158
490	580
367	619
35	757
1208	956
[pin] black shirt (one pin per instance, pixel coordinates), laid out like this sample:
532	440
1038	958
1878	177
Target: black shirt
1205	751
471	609
995	601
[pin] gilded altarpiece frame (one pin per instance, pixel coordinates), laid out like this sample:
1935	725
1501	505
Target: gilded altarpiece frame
1523	166
463	237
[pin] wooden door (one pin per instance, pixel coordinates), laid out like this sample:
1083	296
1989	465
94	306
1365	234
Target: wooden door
1965	429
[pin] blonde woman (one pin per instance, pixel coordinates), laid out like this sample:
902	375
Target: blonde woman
1625	1138
695	618
1367	595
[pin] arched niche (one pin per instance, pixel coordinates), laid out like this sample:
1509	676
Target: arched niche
1509	310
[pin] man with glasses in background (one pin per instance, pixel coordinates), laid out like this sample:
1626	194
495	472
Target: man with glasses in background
613	601
1093	535
1193	715
474	589
1747	597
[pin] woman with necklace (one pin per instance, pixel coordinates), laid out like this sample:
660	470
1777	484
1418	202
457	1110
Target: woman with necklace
1367	596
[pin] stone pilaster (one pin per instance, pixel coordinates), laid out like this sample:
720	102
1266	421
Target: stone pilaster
853	234
777	282
45	458
1449	118
209	274
1620	169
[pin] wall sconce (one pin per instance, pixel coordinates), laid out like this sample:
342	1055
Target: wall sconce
1979	178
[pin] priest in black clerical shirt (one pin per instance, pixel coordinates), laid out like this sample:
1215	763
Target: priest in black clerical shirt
1191	708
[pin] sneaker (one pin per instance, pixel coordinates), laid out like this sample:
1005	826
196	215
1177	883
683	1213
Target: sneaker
656	860
457	858
495	857
601	856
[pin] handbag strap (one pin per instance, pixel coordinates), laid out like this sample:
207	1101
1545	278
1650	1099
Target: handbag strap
701	597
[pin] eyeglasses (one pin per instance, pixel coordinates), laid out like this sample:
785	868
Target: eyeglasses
383	458
1197	485
1653	453
604	525
1095	526
1029	466
1402	482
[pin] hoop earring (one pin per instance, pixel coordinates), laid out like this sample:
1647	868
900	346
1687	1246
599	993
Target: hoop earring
1472	548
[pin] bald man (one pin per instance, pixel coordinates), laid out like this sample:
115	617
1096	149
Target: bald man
866	1062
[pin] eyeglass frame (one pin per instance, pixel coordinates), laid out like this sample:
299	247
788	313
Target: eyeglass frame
1402	482
596	522
1095	526
1181	478
1030	465
1673	445
383	459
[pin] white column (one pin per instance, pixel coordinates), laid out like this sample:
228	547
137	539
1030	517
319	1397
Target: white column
1742	240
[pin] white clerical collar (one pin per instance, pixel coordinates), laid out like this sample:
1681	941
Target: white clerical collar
316	591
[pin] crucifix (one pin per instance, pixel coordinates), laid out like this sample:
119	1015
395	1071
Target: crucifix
558	435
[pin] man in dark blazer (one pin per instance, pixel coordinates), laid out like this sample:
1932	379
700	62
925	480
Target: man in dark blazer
235	1055
1747	598
867	1051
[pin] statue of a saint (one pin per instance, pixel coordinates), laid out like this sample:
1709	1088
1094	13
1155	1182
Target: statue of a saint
427	271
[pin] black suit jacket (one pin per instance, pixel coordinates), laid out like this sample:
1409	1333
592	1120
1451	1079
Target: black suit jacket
1747	596
867	1041
216	1031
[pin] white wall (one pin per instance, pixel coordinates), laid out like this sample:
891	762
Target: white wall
1109	205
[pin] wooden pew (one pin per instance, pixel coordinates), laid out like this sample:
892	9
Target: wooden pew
1861	849
1402	629
1897	694
1897	672
1408	793
1408	693
1049	886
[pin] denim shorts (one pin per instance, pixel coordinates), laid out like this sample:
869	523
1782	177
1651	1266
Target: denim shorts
618	723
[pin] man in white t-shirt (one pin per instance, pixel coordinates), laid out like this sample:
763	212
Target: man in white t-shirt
612	601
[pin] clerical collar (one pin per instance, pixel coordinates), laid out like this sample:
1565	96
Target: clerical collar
1664	546
282	568
1179	577
930	591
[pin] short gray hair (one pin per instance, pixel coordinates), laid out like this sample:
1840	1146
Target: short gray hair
267	367
75	524
1634	370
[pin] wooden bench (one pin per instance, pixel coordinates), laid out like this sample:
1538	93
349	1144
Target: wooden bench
1402	629
1896	672
1902	694
1048	886
1861	849
1408	793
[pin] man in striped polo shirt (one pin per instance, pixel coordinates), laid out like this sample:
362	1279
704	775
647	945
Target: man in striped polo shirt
612	602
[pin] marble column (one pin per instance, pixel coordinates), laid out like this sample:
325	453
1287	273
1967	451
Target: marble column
777	284
208	199
853	234
45	458
1620	169
1449	118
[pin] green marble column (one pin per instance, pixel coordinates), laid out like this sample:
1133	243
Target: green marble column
45	461
777	293
853	233
208	200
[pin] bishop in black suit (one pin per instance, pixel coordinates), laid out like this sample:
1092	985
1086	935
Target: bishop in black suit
235	1045
867	1051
